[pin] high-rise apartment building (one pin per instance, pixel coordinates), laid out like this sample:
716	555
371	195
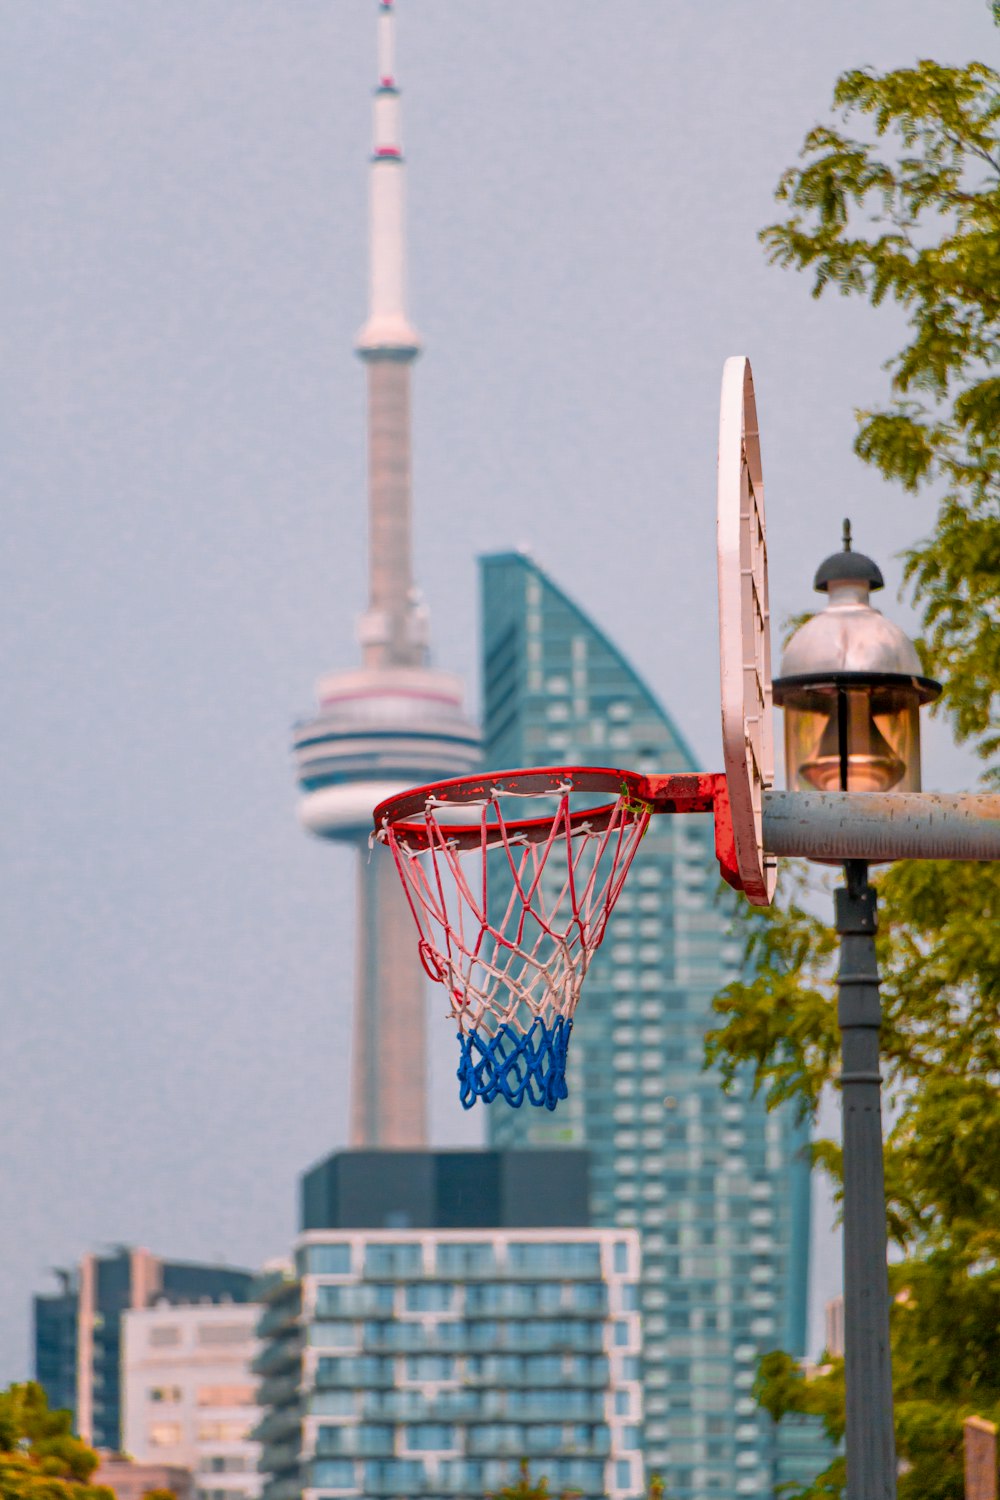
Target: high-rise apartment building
188	1394
78	1330
717	1187
431	1335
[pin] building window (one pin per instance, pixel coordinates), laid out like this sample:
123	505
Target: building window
333	1335
555	1256
332	1403
169	1395
225	1395
343	1301
430	1437
338	1473
401	1260
223	1463
327	1260
430	1296
430	1367
373	1441
165	1434
461	1473
162	1338
225	1333
222	1432
458	1258
399	1476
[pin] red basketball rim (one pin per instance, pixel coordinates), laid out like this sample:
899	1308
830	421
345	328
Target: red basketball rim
400	811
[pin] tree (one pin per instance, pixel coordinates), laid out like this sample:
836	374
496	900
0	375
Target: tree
527	1489
920	223
909	209
40	1459
939	951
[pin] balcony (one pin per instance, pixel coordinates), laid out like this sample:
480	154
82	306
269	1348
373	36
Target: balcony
288	1487
283	1354
272	1286
281	1460
278	1424
279	1390
281	1314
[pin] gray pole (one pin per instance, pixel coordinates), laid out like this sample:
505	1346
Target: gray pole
871	1446
883	825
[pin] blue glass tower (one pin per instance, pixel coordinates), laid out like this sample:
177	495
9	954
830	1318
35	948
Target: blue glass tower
718	1188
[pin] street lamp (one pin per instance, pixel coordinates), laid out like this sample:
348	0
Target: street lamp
851	689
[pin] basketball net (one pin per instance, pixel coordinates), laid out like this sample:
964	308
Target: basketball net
509	916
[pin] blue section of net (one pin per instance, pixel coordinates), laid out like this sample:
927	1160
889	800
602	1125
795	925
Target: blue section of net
515	1065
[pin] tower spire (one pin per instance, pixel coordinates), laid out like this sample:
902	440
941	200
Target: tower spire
393	630
388	330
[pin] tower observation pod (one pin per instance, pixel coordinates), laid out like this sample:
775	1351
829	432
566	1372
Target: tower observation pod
395	721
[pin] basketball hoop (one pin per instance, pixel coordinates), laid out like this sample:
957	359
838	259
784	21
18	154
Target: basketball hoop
511	909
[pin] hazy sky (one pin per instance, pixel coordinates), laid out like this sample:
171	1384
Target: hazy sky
183	271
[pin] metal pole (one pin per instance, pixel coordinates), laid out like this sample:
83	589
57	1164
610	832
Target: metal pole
871	1446
837	826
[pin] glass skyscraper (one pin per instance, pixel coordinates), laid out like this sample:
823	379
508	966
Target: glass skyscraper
717	1187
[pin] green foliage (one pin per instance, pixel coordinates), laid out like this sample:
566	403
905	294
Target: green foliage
909	210
939	955
781	1387
782	1023
528	1489
939	952
40	1459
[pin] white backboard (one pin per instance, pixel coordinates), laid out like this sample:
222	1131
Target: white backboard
744	628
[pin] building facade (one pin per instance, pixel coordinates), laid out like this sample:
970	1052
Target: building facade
833	1314
717	1187
78	1330
188	1394
426	1361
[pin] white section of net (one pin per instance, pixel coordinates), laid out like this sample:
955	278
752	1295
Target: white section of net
509	925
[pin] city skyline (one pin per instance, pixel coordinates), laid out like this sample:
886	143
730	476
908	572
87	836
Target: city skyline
184	465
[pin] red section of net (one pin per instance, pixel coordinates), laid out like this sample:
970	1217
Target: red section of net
509	925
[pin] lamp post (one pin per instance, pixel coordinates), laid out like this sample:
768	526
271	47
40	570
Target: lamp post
851	689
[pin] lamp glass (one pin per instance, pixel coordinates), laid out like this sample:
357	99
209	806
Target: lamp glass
852	739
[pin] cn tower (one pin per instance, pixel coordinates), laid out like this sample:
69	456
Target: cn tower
395	721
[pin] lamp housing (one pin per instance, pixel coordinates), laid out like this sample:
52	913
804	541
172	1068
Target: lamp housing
851	688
